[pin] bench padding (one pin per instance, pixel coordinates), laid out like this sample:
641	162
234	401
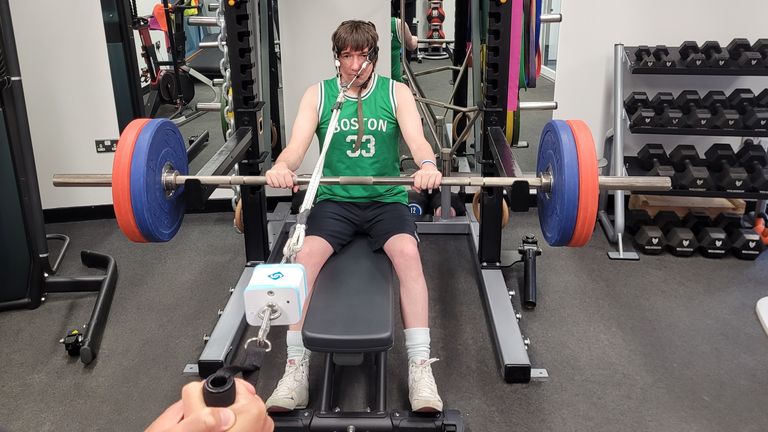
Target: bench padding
352	305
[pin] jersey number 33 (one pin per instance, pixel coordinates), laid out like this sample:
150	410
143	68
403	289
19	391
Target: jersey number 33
367	146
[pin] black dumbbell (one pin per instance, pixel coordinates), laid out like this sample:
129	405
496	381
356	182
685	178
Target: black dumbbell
715	55
742	100
636	101
654	159
761	47
745	242
639	110
666	114
756	119
696	116
634	219
680	240
752	157
761	100
728	221
643	55
648	238
745	102
691	56
723	117
691	173
726	173
661	54
713	241
740	51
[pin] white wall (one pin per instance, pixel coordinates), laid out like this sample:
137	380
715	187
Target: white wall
585	55
68	92
307	58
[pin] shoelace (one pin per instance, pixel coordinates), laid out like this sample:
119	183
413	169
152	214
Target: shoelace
288	383
429	389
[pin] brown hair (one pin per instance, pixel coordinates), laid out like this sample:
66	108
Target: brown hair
355	35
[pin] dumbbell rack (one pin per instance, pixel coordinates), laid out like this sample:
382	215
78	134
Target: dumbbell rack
614	143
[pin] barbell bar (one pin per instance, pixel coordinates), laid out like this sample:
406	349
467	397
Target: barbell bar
172	180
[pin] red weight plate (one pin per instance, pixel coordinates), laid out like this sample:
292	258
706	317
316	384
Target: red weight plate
589	188
538	64
121	180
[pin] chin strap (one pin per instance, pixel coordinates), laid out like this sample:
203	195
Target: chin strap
296	237
360	123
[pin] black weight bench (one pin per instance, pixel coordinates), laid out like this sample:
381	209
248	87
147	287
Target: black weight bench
206	60
351	316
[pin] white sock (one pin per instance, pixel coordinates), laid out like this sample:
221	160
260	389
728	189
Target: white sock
295	345
417	343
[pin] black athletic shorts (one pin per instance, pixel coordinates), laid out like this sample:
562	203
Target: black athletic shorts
337	222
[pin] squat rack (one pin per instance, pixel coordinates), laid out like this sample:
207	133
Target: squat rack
265	234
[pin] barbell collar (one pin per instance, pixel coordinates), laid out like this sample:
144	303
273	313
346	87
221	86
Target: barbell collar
172	180
204	21
552	18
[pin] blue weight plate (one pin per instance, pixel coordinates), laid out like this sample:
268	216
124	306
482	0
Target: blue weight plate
558	207
531	59
525	44
158	216
538	24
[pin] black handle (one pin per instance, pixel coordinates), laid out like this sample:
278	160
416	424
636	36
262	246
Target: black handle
219	389
529	279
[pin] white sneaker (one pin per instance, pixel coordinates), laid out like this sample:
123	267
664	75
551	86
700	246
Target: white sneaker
292	391
422	390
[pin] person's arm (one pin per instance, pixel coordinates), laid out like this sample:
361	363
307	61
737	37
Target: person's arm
282	171
408	119
411	42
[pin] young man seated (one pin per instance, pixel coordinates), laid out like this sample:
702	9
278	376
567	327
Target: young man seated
365	143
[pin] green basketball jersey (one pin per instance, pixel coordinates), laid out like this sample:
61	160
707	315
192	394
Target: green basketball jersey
378	154
397	68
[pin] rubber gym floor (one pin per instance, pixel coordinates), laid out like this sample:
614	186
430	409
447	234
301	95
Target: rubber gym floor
663	344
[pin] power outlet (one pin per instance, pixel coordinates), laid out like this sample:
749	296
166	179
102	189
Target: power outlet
106	146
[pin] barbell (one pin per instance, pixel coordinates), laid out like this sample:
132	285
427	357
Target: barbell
172	180
150	169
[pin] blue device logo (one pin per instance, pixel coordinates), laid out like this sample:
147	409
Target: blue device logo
276	275
415	209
